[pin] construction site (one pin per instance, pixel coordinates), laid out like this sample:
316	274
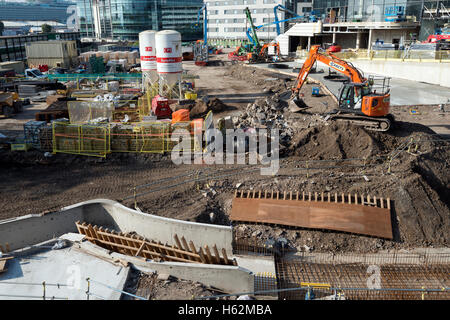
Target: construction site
97	205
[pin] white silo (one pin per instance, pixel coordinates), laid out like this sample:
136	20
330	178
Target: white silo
147	50
169	62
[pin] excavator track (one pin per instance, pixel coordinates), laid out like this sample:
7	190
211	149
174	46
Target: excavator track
370	123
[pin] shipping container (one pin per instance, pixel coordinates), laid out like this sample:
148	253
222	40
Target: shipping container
53	53
17	66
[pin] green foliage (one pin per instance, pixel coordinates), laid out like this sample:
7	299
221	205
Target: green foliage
46	28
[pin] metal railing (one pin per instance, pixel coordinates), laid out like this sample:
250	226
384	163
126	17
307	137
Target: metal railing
45	285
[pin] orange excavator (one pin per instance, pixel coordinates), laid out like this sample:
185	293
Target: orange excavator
263	54
359	101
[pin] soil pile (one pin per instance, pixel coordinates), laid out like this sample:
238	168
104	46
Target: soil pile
335	141
201	108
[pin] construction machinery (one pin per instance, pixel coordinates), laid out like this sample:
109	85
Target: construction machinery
310	18
361	101
201	48
258	53
10	104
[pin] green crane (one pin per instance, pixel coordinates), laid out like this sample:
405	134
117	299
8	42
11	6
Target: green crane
254	38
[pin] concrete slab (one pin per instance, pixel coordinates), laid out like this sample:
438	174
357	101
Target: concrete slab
67	267
256	264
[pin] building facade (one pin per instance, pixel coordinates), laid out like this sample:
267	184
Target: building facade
24	11
359	24
125	19
227	19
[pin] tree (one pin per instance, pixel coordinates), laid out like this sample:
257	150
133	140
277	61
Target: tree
2	27
46	28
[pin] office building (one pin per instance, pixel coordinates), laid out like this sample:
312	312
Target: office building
124	19
35	11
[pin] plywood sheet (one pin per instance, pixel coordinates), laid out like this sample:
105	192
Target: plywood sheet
353	218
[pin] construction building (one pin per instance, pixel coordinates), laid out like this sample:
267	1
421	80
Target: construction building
52	53
227	19
124	19
359	24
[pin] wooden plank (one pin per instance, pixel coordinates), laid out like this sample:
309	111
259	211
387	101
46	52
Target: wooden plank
186	247
102	237
217	255
208	254
2	266
225	257
140	249
178	244
367	220
194	250
203	256
138	239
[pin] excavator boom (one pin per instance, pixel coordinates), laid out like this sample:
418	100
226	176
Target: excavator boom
330	60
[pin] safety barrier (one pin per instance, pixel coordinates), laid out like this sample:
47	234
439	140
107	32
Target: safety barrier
142	137
397	55
90	140
95	76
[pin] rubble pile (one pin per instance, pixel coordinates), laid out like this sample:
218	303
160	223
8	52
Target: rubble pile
267	113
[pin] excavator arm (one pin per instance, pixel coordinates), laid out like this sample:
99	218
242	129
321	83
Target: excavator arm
332	61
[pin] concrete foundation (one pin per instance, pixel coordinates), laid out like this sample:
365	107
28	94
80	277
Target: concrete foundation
231	279
31	229
67	267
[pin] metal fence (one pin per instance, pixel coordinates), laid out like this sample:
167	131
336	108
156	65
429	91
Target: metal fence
143	137
81	139
89	290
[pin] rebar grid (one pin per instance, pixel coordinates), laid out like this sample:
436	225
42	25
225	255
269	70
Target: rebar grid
358	280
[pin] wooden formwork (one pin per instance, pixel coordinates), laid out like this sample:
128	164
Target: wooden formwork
135	245
355	213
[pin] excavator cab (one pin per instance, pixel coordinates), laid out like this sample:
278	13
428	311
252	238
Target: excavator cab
351	96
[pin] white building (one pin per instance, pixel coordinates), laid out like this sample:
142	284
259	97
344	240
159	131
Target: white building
227	19
304	7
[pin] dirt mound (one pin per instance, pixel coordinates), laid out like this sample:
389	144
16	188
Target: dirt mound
201	107
343	140
335	141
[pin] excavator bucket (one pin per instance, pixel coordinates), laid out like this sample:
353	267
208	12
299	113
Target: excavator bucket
296	104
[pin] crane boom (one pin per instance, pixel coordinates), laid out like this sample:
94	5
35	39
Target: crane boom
254	37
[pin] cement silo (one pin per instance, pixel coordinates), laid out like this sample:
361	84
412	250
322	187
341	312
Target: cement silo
147	50
169	62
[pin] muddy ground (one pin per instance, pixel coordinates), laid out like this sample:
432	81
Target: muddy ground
418	182
153	286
